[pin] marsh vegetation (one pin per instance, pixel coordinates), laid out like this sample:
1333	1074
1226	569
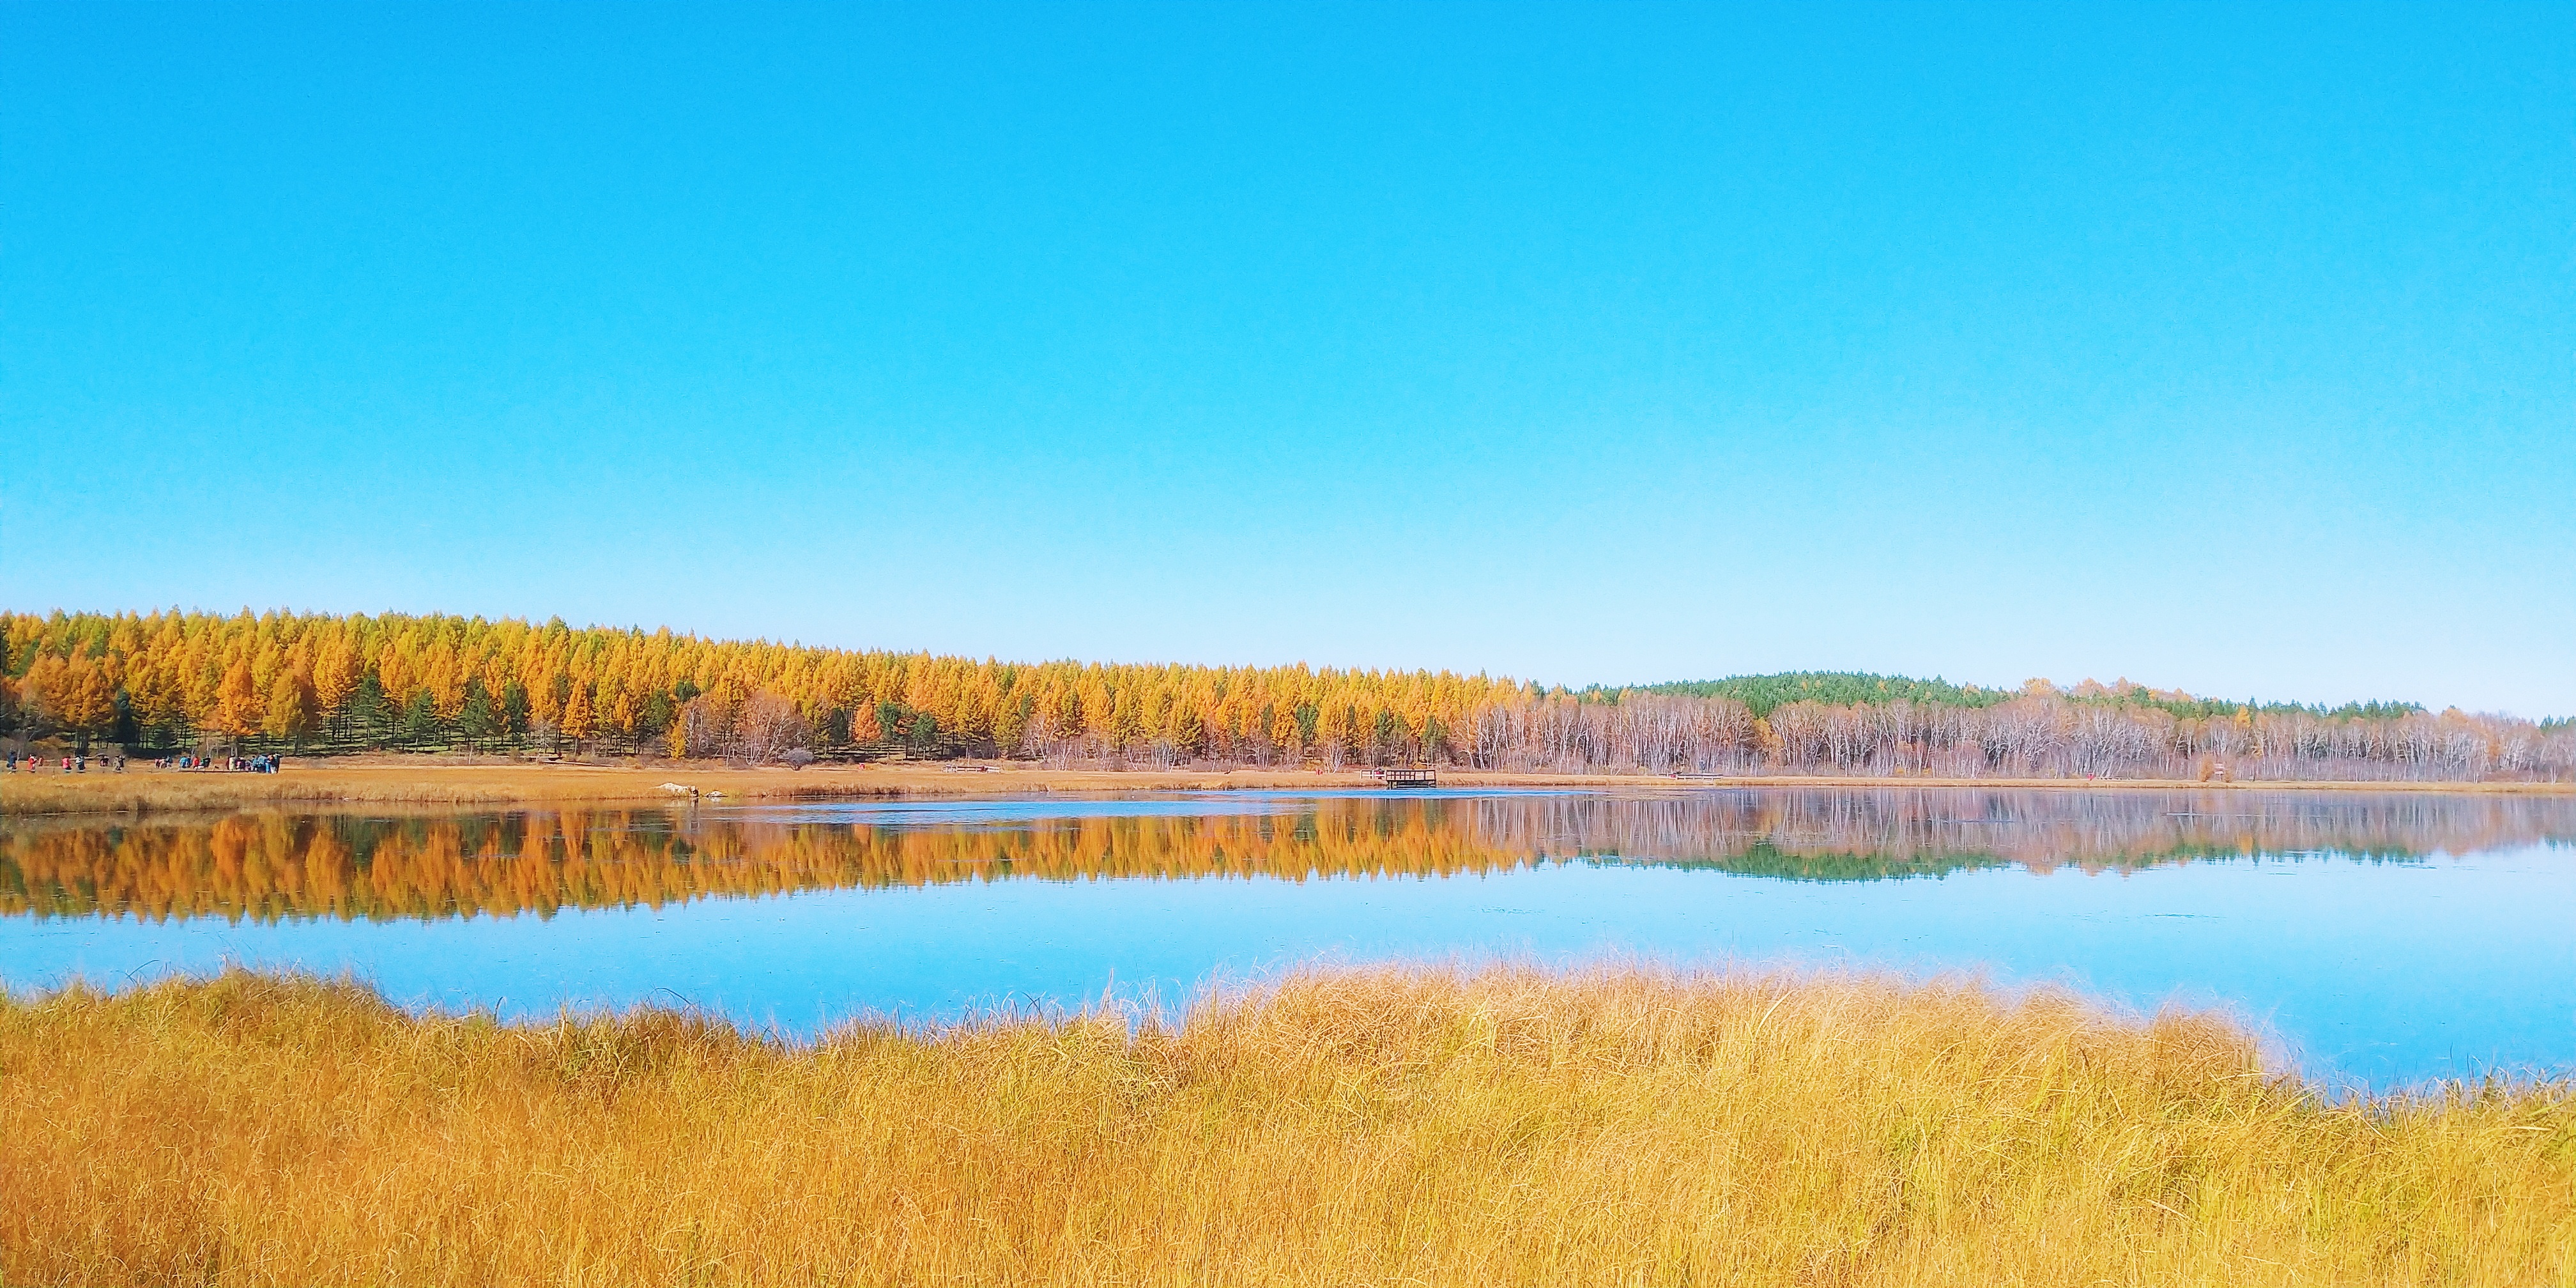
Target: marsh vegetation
1508	1126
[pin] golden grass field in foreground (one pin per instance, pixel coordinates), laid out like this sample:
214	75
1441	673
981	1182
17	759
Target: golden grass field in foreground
1508	1126
463	782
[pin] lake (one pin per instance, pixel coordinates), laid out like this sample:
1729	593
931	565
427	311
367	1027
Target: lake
2377	939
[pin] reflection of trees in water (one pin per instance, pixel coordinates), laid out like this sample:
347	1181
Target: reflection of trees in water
1855	832
283	866
1763	859
272	866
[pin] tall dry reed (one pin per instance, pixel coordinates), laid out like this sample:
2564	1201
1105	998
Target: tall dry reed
1503	1126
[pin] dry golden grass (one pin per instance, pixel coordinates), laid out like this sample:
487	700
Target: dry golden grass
1509	1126
440	781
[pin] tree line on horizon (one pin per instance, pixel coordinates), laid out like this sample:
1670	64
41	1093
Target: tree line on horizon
1762	693
322	684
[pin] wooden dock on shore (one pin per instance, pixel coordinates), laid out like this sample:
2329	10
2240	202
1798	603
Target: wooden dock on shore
1406	778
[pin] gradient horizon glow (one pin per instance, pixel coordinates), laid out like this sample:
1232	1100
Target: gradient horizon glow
2227	349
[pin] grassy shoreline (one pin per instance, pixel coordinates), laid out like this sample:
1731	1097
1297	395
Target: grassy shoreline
442	781
1508	1125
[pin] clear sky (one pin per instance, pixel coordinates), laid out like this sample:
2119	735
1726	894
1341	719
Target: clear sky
2231	349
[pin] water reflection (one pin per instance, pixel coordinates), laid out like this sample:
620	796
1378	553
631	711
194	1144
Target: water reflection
352	867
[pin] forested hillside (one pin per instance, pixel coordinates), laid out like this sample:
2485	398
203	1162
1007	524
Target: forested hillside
1762	693
320	684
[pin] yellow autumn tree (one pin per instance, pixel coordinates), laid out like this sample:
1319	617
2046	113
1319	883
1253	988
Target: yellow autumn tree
292	706
238	710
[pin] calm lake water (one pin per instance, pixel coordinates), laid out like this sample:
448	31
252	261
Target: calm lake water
2379	939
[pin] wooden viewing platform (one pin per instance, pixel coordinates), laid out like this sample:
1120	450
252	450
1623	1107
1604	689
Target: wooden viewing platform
1407	778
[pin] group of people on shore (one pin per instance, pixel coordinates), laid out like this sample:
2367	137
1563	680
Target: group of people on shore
70	764
228	764
116	764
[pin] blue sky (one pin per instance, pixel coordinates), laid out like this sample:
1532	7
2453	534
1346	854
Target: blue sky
2229	349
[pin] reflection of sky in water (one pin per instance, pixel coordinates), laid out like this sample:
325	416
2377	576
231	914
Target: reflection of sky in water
2384	971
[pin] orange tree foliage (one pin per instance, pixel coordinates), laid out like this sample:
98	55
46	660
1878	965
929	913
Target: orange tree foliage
325	683
330	682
